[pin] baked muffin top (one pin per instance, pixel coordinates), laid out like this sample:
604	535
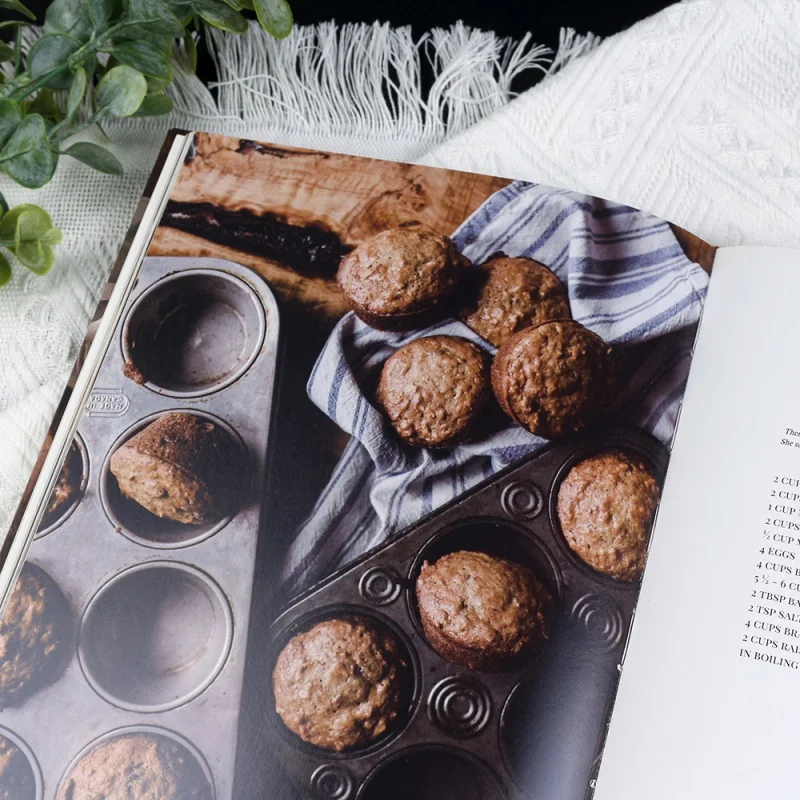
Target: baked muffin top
512	294
605	507
554	378
34	634
400	271
342	684
480	610
434	389
137	766
17	781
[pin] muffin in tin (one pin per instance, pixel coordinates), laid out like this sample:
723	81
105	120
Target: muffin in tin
67	486
136	766
554	378
402	278
606	505
35	632
342	684
434	390
180	467
511	294
481	611
17	781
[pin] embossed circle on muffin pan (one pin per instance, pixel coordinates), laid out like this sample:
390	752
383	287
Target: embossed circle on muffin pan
155	636
495	537
378	620
432	773
655	461
149	730
36	772
193	333
138	524
80	462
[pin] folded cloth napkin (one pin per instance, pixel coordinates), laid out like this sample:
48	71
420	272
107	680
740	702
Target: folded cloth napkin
628	280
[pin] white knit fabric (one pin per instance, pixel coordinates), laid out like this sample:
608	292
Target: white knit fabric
692	115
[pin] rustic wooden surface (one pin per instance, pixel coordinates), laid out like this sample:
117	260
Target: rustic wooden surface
353	198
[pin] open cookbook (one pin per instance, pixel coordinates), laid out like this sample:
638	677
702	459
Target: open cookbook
352	497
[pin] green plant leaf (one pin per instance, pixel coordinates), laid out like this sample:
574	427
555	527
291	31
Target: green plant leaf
3	205
45	104
5	270
146	56
101	12
26	156
275	17
241	5
16	5
220	15
120	91
37	257
10	118
153	16
153	105
49	53
69	16
25	223
96	157
52	237
31	229
77	90
191	50
7	52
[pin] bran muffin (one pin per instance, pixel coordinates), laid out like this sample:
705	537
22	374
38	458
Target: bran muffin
179	467
17	781
34	636
554	378
512	294
402	279
434	390
136	766
342	684
605	507
480	611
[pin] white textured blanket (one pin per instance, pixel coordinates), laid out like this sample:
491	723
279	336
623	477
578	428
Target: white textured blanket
691	115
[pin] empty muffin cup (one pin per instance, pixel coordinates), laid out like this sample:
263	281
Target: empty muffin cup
432	774
155	636
69	489
20	775
193	333
137	523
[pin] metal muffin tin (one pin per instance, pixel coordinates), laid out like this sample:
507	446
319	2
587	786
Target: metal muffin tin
533	731
161	611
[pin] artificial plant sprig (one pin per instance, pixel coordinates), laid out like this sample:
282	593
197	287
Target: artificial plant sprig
113	57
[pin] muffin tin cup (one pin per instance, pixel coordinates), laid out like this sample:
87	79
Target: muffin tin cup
138	524
155	636
26	750
518	722
148	730
162	615
51	521
193	333
378	620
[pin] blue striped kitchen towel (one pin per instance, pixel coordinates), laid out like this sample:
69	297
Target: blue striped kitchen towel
628	280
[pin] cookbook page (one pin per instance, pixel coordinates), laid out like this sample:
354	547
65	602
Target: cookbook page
327	527
708	704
